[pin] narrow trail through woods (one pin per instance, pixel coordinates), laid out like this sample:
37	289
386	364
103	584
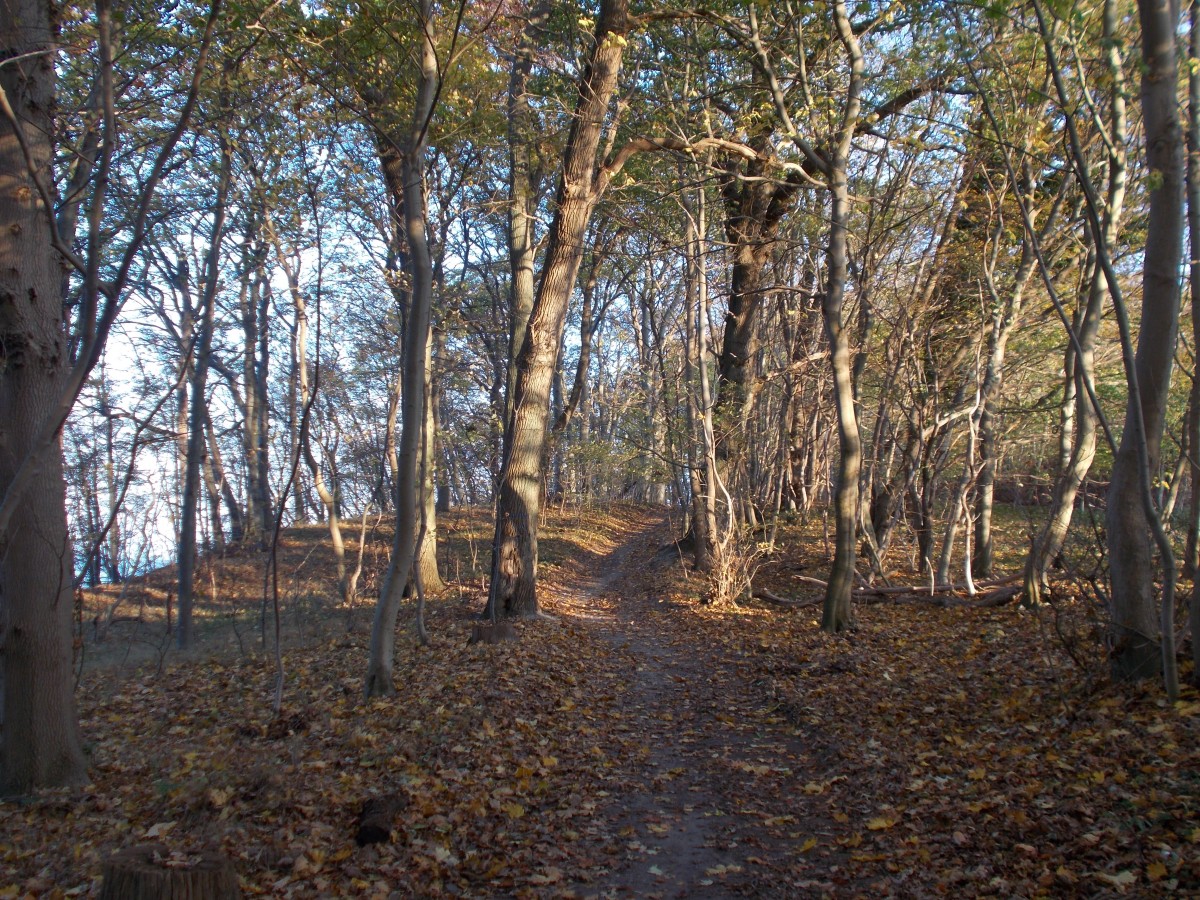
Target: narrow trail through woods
702	819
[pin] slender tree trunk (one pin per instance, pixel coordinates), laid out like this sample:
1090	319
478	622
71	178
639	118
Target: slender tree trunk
524	180
838	614
702	466
427	561
237	527
416	340
198	405
1136	633
518	507
1080	362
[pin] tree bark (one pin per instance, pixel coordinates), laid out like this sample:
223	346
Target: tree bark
514	549
837	613
198	402
1079	366
524	181
40	743
1193	195
1136	633
416	341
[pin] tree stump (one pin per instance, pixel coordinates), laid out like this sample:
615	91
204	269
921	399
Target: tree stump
151	872
376	817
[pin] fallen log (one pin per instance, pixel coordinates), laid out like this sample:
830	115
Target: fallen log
902	589
763	594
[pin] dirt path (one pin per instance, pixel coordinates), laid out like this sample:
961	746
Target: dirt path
707	811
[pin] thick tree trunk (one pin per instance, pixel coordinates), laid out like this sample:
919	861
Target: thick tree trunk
1136	633
39	740
518	507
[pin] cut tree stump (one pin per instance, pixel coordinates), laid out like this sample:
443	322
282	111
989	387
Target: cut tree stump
152	872
376	817
492	634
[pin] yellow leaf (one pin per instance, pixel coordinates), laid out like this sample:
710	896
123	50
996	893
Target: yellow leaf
514	810
977	774
1156	871
879	823
218	797
814	787
808	845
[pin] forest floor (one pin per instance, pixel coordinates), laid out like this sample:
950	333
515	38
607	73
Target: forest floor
637	744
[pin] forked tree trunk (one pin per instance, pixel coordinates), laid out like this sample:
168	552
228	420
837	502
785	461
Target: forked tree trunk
514	550
255	301
40	741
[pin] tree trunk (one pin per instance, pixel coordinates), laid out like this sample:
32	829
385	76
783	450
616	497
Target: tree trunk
427	560
40	744
838	614
198	404
255	304
237	526
416	341
1077	456
524	180
1193	189
1136	633
518	507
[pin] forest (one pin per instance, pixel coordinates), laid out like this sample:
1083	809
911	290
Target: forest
601	449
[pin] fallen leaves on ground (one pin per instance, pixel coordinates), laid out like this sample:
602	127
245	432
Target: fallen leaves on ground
639	742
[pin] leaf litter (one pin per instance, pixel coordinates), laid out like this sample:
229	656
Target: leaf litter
638	744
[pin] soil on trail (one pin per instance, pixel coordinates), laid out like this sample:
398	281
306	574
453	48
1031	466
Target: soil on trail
703	817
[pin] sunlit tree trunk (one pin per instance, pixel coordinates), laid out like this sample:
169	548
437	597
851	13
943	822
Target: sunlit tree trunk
1136	634
518	507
